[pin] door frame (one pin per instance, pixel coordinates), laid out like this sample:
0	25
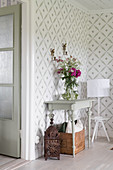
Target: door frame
27	79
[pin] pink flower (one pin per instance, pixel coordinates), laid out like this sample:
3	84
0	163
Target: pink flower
61	60
59	70
78	73
74	71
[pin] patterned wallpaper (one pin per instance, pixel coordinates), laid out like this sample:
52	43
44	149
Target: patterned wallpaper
4	3
100	61
57	21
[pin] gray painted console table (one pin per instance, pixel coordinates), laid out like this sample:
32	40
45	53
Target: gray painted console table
72	105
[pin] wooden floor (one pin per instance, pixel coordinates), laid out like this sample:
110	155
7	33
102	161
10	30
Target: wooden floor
9	163
5	160
98	157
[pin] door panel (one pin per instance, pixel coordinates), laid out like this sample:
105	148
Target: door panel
10	23
6	103
6	67
6	31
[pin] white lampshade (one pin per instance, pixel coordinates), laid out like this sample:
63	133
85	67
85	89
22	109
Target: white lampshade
98	87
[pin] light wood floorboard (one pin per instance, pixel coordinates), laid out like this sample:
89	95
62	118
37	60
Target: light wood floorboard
5	160
98	157
9	163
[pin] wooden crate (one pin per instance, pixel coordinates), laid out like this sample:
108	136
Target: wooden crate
66	142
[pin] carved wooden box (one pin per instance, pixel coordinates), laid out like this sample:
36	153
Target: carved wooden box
51	143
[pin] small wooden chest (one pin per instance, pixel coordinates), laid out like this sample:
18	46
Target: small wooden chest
51	143
66	142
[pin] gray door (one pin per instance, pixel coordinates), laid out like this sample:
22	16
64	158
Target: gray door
10	80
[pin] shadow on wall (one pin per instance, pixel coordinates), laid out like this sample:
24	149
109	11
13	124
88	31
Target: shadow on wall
82	90
39	149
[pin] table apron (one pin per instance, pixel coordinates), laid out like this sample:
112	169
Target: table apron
73	107
59	107
81	105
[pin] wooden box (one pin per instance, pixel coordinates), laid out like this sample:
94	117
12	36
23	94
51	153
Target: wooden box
66	142
51	143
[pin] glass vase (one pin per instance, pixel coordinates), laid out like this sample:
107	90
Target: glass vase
70	94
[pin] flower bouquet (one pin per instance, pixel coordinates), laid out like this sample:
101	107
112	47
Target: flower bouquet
69	71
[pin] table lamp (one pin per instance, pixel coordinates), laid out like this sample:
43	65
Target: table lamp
98	88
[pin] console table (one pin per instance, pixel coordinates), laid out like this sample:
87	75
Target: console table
71	105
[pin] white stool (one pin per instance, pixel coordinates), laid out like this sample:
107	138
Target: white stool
99	119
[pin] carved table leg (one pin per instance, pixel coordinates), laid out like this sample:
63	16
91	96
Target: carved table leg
51	116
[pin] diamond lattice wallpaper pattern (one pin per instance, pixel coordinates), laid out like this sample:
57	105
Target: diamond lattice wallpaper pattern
4	3
57	21
100	60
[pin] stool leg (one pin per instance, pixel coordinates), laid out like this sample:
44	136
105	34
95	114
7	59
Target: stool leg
105	131
95	128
